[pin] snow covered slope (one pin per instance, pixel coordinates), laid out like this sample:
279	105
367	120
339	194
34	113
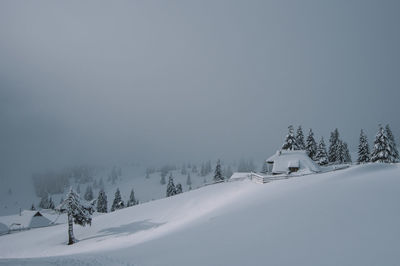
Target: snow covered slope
133	177
347	217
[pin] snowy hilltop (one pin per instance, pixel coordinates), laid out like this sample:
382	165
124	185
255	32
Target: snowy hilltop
344	217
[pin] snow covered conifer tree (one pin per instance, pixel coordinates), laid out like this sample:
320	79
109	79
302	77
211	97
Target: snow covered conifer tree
178	188
321	156
132	200
346	153
333	147
171	190
339	152
311	145
188	180
78	211
290	140
394	153
381	150
102	202
118	203
300	139
33	207
217	173
363	149
88	193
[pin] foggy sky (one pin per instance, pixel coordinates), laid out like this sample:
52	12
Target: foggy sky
98	81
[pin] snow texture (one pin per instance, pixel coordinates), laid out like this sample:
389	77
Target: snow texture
346	217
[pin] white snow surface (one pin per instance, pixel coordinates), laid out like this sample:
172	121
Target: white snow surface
346	217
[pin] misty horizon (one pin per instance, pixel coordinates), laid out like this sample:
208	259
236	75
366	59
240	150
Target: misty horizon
176	81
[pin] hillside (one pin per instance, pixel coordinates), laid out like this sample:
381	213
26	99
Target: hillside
347	217
132	177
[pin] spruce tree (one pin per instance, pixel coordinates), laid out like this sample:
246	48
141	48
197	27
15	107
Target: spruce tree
381	150
334	145
339	152
188	180
290	140
102	202
171	190
88	193
78	211
132	200
311	145
346	153
394	153
363	149
217	173
300	139
118	203
321	156
178	188
33	207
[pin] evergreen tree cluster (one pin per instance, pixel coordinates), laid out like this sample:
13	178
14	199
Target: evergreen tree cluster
384	148
338	149
171	188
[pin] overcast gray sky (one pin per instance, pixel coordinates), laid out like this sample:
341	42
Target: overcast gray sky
94	81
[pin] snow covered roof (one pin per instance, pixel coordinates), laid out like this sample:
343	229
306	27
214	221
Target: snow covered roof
240	175
283	159
294	164
38	220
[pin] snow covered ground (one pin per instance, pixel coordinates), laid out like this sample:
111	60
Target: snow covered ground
346	217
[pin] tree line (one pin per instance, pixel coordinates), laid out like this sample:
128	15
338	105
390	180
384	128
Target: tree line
384	148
